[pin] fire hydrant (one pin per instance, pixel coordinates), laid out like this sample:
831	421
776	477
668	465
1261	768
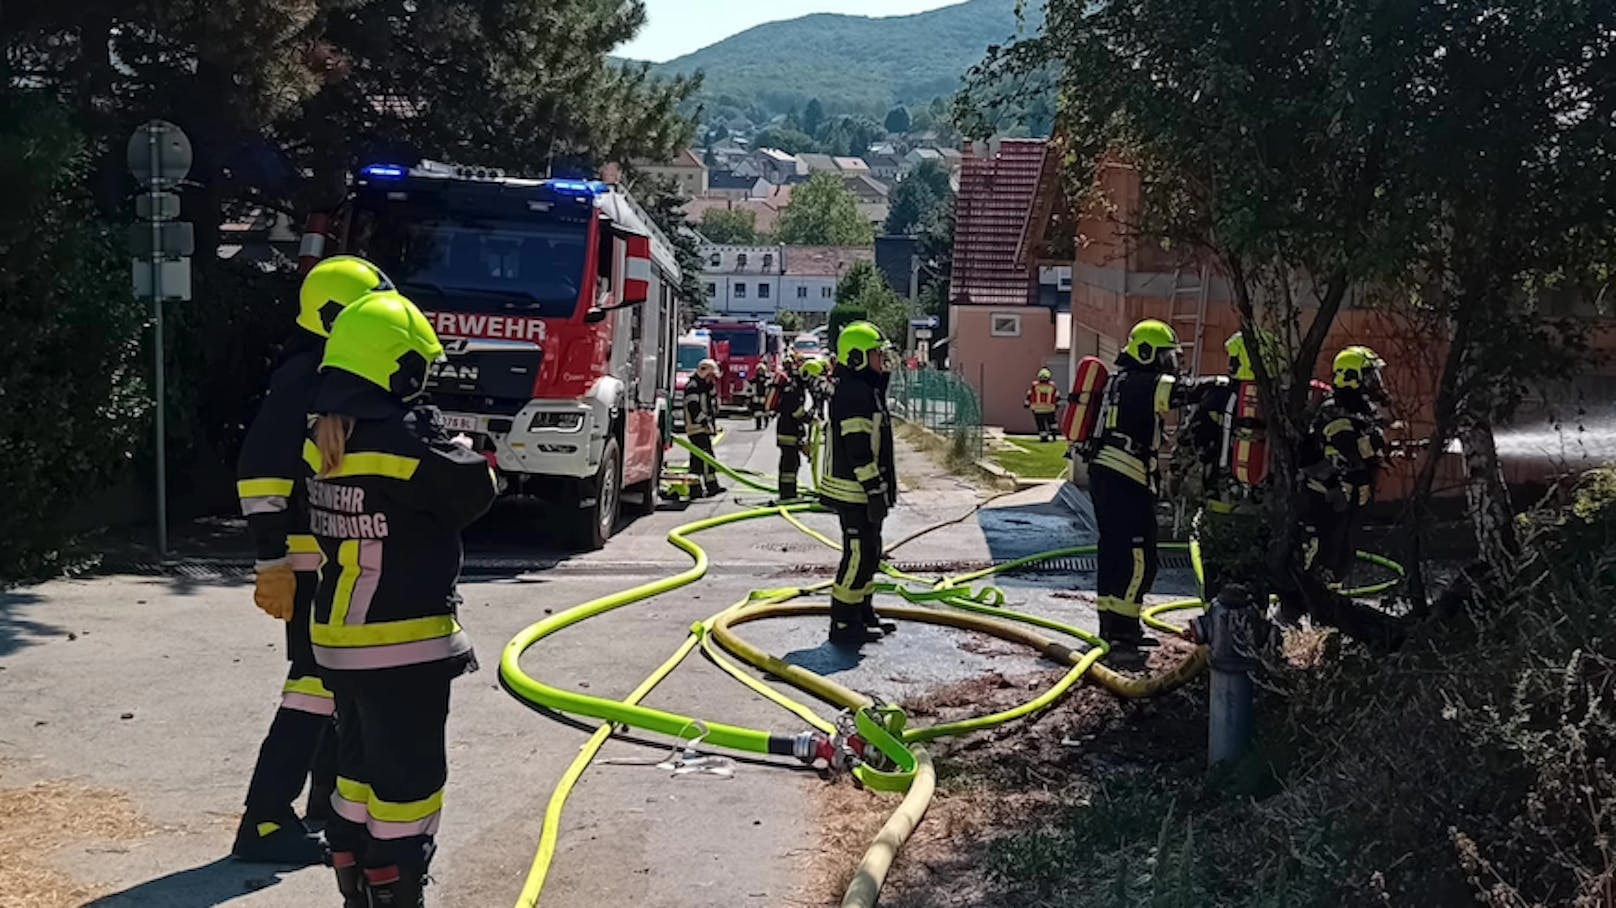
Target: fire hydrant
1229	631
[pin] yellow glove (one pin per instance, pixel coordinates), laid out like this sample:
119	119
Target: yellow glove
275	588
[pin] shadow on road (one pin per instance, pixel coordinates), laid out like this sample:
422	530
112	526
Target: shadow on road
17	631
825	659
1018	531
197	887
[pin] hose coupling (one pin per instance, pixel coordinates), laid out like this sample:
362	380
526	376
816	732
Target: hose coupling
821	751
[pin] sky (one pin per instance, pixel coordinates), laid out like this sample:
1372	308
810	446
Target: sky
677	27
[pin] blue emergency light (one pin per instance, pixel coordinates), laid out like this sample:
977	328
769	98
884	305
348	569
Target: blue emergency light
384	171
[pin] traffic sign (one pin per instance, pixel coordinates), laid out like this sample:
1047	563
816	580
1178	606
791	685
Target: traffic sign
175	276
159	154
172	239
157	206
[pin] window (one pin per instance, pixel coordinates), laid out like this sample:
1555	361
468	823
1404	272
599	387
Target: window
802	293
1004	325
740	291
763	291
714	260
712	289
740	260
824	293
768	260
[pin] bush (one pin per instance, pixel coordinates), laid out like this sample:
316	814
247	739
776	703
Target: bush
73	399
1470	767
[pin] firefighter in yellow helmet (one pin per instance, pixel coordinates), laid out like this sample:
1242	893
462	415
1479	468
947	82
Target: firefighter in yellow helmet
1124	475
701	424
389	493
789	401
1043	399
1342	454
859	479
301	743
1230	438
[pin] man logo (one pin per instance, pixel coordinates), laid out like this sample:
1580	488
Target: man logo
452	371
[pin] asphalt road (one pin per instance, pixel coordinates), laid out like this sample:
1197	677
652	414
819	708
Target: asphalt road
161	687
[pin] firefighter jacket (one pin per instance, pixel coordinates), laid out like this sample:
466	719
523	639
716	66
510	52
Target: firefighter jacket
757	389
1129	434
859	460
1042	397
701	406
789	398
388	521
1345	448
271	461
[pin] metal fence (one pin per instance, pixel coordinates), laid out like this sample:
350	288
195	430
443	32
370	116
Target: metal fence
942	402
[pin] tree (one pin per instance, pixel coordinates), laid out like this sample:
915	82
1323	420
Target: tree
813	116
737	225
74	406
790	322
916	199
898	120
823	213
663	200
864	289
787	140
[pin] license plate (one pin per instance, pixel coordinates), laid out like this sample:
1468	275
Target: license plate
455	422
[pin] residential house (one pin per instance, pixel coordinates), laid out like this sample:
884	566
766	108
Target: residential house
818	163
919	156
884	167
776	166
812	273
865	188
851	165
999	336
742	280
685	168
765	209
727	184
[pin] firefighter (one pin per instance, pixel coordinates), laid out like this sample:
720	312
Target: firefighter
757	392
301	742
1041	400
1344	450
819	384
788	400
701	422
389	493
1229	437
1124	477
858	479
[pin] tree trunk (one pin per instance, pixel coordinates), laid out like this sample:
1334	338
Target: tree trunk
1492	515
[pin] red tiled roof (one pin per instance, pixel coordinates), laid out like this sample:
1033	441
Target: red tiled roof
995	199
825	261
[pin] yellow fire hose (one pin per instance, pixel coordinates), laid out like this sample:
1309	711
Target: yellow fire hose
891	759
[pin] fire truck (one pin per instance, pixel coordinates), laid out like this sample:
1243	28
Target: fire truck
555	300
741	348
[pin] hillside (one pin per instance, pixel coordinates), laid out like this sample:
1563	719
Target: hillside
851	63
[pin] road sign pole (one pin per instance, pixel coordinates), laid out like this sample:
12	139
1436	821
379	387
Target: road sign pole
158	383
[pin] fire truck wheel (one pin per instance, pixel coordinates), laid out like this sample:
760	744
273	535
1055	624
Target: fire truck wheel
648	489
595	523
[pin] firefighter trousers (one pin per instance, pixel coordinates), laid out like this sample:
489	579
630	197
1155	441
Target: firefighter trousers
301	743
1126	513
1046	423
704	472
1328	537
790	464
852	594
392	763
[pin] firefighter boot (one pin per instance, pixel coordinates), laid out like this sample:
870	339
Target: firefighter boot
847	626
872	621
396	887
788	488
282	840
350	880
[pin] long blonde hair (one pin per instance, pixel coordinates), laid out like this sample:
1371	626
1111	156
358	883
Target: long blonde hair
331	433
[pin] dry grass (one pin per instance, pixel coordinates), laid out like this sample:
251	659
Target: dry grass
37	820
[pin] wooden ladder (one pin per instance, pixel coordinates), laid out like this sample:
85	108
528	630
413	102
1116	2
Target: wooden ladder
1188	307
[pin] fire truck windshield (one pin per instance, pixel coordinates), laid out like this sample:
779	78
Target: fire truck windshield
690	356
534	268
742	341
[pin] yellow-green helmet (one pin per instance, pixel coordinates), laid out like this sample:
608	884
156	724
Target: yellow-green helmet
1045	375
331	285
1357	367
856	342
814	367
1240	359
385	340
1152	343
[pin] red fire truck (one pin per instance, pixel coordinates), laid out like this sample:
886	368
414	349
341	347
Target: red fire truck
555	301
741	347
